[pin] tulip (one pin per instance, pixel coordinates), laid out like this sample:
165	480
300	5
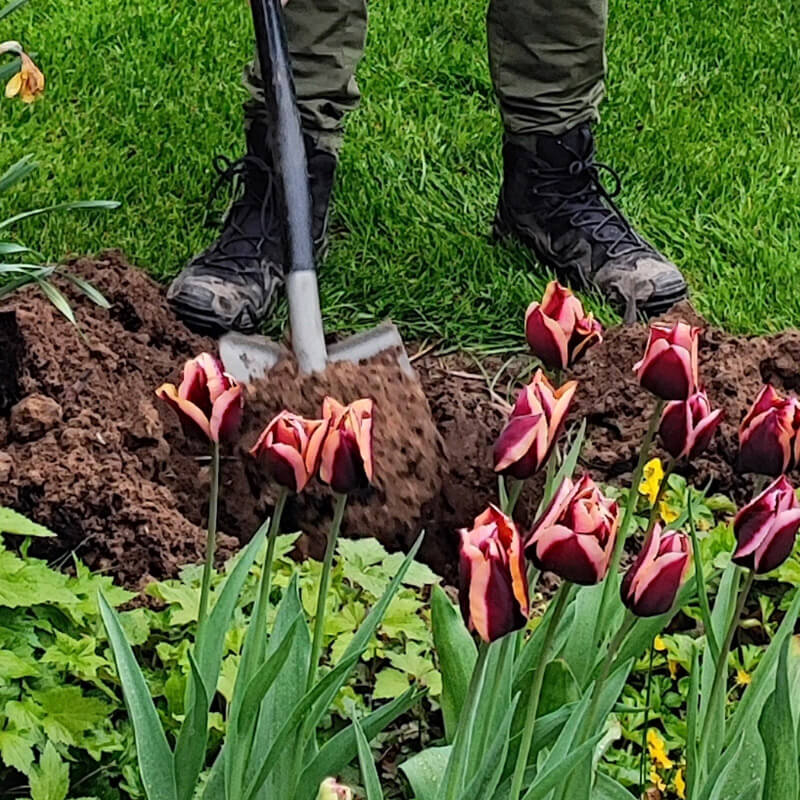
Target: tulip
533	428
28	83
669	366
687	426
493	582
558	330
765	528
651	585
331	789
768	438
289	449
575	536
208	402
346	462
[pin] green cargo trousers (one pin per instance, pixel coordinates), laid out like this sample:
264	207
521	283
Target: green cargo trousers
547	60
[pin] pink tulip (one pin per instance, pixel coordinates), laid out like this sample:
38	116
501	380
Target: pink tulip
687	426
766	528
558	329
208	402
533	428
331	789
289	449
493	580
768	438
652	583
346	461
575	536
669	366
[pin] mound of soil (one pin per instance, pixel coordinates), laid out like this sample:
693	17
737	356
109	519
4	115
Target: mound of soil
86	449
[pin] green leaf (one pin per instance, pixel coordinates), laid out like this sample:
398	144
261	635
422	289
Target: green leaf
457	653
155	758
13	667
424	771
71	206
50	780
19	525
781	781
91	291
340	749
369	774
190	749
389	682
16	750
19	170
559	687
4	12
68	713
56	297
581	652
606	788
558	773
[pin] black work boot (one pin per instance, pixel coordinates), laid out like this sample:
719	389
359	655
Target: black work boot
552	201
233	283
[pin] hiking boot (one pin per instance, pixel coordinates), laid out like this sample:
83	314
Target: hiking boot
552	201
232	284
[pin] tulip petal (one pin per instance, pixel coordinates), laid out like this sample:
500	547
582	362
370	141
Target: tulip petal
286	465
576	558
704	432
216	380
766	446
667	372
319	430
194	386
192	419
520	436
341	466
227	414
779	543
14	86
675	427
333	410
546	338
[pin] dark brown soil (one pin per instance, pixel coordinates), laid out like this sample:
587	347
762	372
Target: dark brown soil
86	449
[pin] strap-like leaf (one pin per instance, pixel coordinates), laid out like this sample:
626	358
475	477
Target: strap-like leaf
190	749
558	773
369	774
19	170
70	206
92	292
11	7
152	750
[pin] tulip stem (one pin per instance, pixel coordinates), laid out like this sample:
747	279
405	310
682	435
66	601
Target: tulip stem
513	497
324	585
702	593
272	535
610	583
211	538
643	754
560	603
721	667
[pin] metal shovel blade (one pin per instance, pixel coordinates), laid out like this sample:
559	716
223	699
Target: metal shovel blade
249	358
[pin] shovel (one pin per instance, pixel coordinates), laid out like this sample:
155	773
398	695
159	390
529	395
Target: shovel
248	358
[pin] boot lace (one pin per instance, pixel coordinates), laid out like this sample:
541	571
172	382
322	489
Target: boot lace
574	193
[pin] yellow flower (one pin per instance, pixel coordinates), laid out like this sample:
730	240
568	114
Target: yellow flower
668	514
680	784
673	668
659	643
657	748
743	678
651	479
28	83
657	780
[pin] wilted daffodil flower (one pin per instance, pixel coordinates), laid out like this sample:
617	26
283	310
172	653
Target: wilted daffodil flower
289	449
687	426
208	402
346	462
331	789
28	83
558	330
669	366
766	528
532	430
768	440
493	581
575	536
651	585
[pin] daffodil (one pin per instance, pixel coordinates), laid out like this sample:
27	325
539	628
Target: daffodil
28	83
651	479
658	750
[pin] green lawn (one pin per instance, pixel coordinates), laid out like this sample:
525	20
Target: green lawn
702	120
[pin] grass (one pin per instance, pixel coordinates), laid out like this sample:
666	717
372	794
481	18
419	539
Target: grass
701	120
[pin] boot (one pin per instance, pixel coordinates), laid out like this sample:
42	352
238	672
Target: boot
552	201
232	284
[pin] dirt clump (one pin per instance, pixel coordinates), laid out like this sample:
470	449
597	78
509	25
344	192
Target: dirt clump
88	451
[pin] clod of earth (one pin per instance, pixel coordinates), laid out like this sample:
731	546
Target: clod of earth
113	475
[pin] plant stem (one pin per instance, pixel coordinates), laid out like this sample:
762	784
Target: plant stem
721	667
272	536
211	539
513	496
643	754
702	593
560	601
324	585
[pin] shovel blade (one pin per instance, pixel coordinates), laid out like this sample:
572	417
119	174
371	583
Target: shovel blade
248	358
367	344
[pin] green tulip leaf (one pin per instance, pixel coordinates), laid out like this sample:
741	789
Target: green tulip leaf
190	749
424	771
369	773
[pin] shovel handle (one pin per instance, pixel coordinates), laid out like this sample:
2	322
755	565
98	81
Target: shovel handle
289	156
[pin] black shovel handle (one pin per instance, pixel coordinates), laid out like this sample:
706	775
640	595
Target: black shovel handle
286	132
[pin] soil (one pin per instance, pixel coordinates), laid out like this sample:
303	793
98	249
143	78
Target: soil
86	449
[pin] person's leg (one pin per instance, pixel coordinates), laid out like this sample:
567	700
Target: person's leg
232	284
547	60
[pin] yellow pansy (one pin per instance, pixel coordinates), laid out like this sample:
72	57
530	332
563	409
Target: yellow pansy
651	479
668	514
657	780
673	668
28	83
680	784
743	678
658	751
659	643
